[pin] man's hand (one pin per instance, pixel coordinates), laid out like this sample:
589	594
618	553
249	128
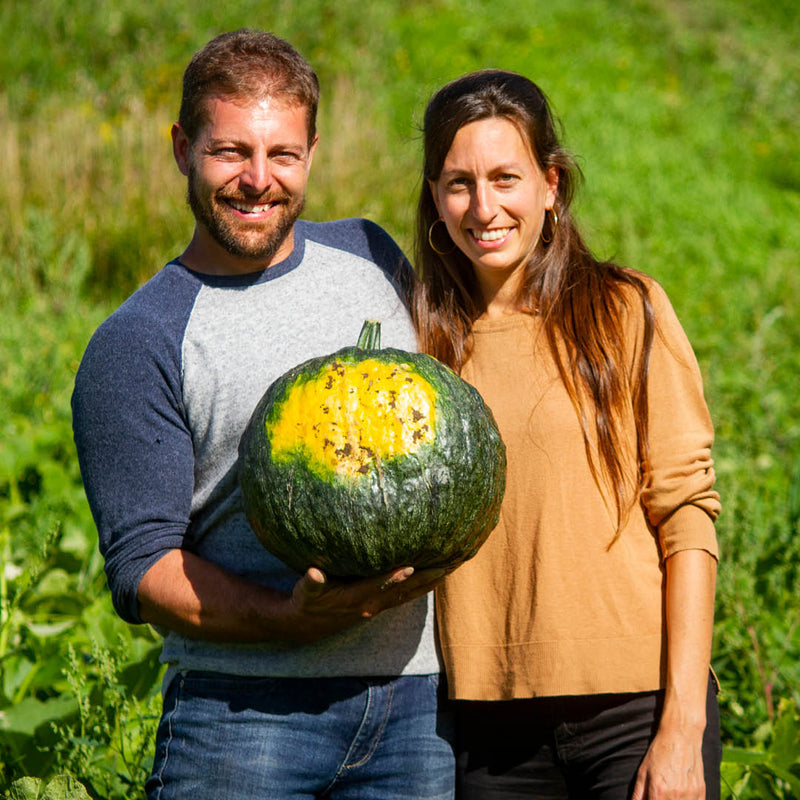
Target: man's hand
324	606
192	596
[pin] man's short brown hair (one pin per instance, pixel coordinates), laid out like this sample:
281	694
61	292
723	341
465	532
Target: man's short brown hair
247	65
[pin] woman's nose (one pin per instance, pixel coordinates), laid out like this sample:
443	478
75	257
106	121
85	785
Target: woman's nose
484	207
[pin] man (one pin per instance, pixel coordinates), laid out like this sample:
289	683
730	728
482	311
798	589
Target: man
278	685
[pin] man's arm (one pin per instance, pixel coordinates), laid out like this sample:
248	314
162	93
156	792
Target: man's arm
196	598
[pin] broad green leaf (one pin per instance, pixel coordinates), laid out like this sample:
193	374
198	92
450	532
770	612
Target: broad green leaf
62	787
785	747
738	755
43	630
26	789
15	671
792	780
65	787
55	582
28	715
78	541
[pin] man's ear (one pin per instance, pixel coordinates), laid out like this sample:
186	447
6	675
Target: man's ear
311	151
180	148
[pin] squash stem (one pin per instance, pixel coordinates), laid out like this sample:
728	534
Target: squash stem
370	336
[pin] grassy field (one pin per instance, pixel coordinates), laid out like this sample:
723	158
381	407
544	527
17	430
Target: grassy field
684	116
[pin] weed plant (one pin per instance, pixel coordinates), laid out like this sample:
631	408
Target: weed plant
684	116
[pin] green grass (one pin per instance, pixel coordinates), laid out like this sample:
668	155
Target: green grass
684	116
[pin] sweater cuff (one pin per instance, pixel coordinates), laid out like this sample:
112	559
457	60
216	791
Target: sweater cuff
689	527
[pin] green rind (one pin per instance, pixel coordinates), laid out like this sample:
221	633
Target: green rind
433	508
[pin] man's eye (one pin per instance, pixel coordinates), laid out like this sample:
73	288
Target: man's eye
286	158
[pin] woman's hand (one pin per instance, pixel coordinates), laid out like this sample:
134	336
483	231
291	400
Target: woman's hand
672	768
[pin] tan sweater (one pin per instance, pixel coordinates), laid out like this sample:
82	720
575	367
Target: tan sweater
548	607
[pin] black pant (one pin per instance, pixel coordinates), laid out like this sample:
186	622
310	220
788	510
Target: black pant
566	748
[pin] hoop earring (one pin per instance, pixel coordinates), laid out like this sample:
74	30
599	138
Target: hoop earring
433	246
553	229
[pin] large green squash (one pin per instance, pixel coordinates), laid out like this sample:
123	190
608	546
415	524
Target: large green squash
367	459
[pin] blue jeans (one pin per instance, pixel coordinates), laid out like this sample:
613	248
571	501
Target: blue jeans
224	737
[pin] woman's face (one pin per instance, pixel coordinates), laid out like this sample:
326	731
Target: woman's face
492	197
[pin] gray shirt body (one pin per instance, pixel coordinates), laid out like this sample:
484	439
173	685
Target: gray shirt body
163	394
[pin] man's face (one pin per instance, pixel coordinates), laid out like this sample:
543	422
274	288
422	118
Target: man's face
247	172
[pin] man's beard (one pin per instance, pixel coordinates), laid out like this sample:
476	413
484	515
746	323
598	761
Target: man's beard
259	244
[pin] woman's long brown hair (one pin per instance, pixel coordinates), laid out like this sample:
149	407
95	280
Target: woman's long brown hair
582	301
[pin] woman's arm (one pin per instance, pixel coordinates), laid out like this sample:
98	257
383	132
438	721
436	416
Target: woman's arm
673	766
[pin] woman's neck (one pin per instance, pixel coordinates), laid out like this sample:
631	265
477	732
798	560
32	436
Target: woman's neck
501	296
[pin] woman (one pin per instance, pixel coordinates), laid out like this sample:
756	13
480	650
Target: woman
577	642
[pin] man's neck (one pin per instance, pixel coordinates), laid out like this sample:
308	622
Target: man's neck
205	255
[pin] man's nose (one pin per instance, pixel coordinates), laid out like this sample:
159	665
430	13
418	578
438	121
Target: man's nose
256	177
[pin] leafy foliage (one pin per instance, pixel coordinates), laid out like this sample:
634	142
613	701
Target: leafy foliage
773	771
685	118
61	787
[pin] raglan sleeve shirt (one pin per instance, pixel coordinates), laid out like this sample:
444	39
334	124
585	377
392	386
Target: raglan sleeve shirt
134	445
169	380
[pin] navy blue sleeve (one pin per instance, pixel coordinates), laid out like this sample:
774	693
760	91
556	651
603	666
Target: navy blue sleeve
133	442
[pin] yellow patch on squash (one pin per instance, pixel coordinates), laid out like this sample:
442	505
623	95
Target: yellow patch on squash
353	415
